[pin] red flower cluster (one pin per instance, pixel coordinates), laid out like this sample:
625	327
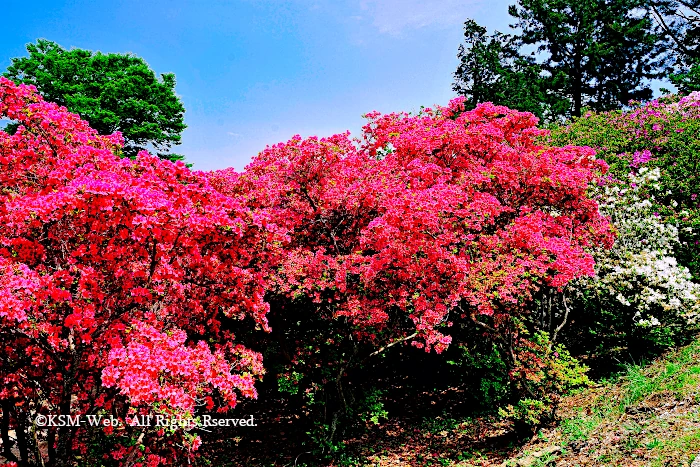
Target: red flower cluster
426	213
116	274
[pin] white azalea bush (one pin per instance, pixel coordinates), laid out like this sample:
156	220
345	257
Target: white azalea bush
640	298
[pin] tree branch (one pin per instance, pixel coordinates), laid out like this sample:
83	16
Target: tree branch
398	341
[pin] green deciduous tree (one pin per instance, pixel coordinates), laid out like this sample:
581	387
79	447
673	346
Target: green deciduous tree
113	92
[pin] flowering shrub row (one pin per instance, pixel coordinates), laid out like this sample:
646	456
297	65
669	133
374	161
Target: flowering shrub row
644	295
663	134
130	286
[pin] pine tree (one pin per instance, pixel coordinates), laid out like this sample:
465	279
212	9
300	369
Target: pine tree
608	50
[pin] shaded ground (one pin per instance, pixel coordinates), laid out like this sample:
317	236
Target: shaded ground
648	417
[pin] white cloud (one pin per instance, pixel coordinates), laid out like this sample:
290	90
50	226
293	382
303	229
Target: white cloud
396	16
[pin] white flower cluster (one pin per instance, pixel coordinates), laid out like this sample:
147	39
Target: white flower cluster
687	106
640	270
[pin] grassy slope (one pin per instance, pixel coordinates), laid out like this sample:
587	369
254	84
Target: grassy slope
650	416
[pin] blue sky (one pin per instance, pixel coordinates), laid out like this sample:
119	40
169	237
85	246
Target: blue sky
256	72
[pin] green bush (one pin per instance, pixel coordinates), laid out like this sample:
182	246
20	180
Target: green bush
542	373
662	134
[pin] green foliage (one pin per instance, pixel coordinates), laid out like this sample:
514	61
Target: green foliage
605	49
327	435
371	409
687	80
674	377
542	374
522	376
113	92
492	70
488	371
289	382
580	427
323	439
531	412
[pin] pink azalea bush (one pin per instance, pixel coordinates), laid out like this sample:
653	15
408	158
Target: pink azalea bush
116	275
139	287
426	221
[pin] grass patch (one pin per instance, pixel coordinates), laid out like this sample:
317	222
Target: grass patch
647	415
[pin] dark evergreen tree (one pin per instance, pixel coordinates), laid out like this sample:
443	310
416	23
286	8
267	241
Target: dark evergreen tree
492	69
678	21
608	50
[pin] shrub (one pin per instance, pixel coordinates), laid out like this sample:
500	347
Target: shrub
115	279
643	297
640	299
429	220
663	134
542	373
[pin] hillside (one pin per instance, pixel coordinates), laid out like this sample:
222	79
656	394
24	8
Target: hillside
649	416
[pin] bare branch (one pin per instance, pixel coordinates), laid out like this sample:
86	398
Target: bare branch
398	341
564	321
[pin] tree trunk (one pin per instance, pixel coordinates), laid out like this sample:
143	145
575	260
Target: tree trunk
577	73
65	433
63	446
22	443
5	432
577	92
50	446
